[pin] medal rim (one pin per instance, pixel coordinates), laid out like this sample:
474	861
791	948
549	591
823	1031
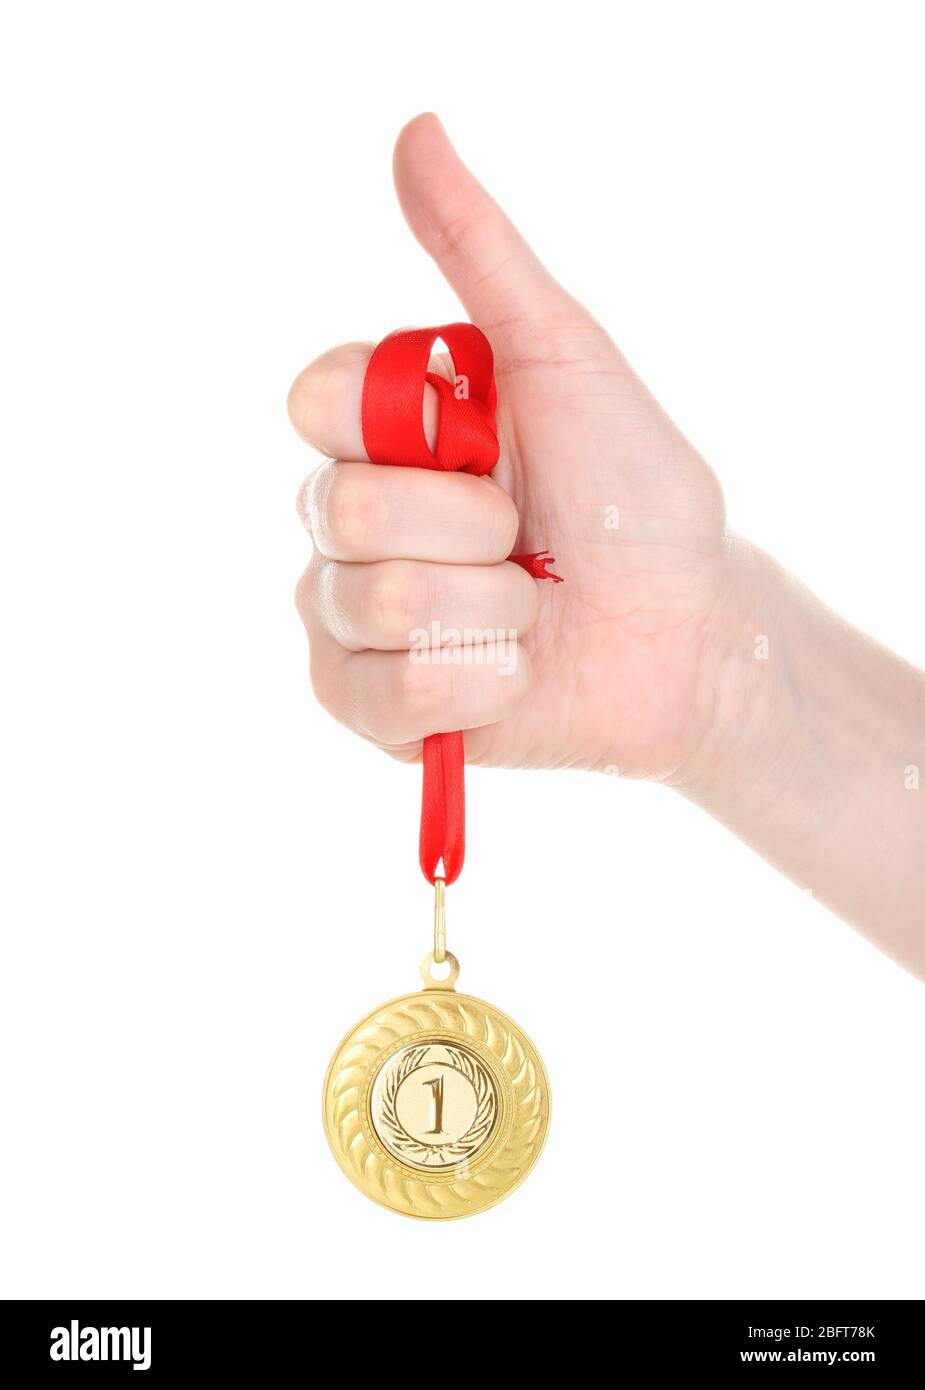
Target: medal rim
495	1146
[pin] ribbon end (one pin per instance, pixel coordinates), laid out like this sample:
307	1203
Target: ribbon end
535	564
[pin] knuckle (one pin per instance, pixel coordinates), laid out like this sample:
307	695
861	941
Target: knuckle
422	689
353	513
323	687
304	593
505	523
308	401
316	396
394	602
296	400
310	496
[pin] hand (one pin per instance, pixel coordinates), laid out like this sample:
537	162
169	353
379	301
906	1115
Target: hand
645	660
617	667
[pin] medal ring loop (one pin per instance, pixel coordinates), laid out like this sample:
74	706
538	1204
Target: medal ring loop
430	982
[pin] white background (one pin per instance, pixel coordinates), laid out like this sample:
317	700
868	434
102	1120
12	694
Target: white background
206	881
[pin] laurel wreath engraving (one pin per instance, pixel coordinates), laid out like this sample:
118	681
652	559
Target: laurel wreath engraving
457	1150
521	1125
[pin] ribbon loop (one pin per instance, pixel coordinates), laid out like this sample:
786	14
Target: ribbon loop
393	401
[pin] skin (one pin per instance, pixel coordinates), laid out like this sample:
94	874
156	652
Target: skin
647	659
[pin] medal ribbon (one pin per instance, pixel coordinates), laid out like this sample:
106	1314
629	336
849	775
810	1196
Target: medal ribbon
467	442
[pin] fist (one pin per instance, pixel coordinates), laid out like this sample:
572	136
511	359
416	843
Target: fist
418	622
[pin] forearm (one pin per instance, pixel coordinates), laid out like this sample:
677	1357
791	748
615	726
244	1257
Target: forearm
816	755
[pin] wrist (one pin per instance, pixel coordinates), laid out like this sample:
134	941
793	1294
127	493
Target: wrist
753	707
814	750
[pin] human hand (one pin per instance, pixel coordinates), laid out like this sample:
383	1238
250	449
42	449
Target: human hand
617	667
644	660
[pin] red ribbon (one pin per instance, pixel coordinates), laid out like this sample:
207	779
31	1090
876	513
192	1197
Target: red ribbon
467	442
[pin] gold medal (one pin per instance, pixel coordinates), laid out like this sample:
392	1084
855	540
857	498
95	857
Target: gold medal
436	1104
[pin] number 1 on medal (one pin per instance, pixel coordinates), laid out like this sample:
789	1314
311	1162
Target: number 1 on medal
437	1086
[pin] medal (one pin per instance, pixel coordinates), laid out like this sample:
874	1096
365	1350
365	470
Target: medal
437	1104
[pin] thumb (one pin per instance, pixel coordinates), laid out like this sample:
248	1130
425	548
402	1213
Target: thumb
480	252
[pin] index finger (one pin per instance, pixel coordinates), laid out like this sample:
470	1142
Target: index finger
326	400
